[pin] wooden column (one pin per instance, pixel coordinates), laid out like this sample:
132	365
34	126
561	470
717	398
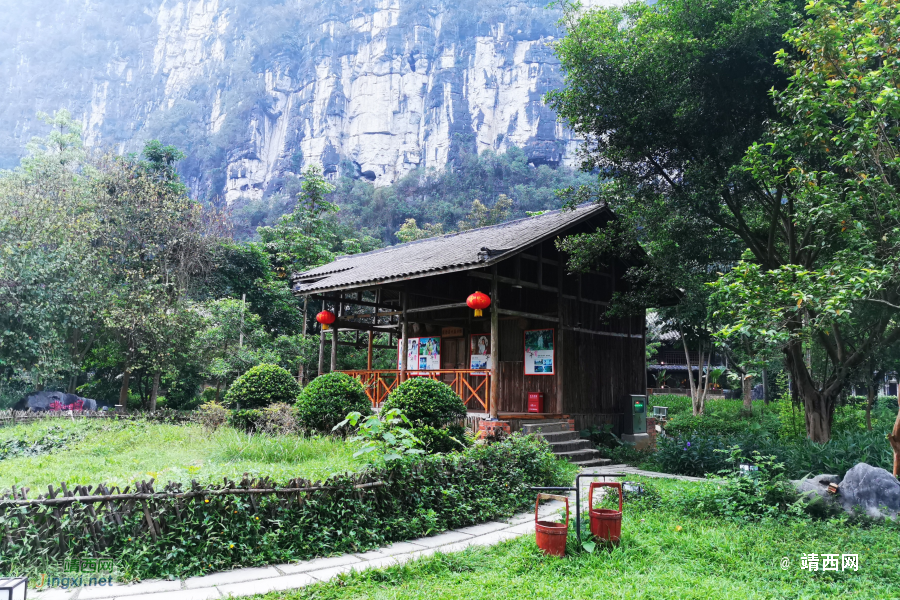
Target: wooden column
404	354
558	350
321	349
495	349
334	336
301	374
372	333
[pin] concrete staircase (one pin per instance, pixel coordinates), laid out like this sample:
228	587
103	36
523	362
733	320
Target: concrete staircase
566	443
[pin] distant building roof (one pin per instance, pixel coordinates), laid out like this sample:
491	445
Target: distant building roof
461	251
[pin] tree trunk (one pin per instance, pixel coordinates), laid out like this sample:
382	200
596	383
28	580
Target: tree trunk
818	405
695	408
154	391
123	391
747	390
870	399
765	384
894	439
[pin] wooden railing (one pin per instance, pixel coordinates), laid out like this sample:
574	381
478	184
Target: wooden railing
472	385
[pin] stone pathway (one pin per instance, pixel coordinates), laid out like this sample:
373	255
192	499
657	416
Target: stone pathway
628	470
259	580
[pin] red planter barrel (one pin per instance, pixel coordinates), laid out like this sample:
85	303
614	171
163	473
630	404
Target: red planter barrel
606	524
550	536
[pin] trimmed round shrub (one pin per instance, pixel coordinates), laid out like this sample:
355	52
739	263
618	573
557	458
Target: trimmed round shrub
261	386
329	398
426	402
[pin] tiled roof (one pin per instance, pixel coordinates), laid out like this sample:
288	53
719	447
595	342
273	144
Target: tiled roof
470	249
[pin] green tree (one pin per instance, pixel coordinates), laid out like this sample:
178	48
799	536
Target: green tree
827	286
410	231
231	341
669	97
54	279
483	216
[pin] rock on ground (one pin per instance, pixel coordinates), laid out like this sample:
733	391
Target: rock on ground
865	489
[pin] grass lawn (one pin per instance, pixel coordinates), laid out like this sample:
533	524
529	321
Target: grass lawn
708	558
120	452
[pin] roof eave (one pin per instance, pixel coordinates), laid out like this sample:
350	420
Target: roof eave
453	269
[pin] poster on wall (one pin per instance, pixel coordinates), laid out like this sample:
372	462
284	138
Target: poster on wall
430	353
480	351
539	357
421	354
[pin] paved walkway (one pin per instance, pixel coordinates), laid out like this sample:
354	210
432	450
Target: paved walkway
259	580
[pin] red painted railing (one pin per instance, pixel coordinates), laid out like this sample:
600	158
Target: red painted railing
472	385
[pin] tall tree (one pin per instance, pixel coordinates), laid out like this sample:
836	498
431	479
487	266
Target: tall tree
53	280
159	243
826	285
670	96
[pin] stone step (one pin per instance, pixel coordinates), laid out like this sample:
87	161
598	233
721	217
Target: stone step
579	455
594	462
571	446
545	427
560	436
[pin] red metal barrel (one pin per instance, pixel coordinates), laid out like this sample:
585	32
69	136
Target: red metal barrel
550	536
606	524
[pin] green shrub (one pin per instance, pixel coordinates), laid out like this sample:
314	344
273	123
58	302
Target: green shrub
212	415
328	399
426	401
699	455
261	386
246	419
767	493
442	440
420	496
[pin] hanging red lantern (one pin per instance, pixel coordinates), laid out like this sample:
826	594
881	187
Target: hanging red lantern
479	302
326	318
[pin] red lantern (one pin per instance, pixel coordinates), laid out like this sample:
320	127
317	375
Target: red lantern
326	318
479	302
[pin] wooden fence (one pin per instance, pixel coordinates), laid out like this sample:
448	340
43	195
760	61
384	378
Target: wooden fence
472	385
19	417
96	513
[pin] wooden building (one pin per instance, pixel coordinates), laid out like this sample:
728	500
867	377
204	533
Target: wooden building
545	332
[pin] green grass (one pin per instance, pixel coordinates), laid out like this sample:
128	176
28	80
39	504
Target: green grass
708	558
121	452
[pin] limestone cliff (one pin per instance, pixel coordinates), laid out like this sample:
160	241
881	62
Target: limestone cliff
253	90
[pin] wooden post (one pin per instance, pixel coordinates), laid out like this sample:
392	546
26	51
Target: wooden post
558	350
495	349
334	335
301	371
372	333
321	348
404	351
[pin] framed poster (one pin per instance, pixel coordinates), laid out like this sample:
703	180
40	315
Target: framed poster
423	354
480	351
539	353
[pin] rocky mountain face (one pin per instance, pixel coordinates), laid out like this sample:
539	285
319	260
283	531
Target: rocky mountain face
253	90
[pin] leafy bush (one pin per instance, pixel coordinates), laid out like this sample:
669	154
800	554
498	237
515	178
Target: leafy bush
442	440
278	419
261	386
697	454
212	415
741	497
246	420
427	402
722	422
382	437
420	496
328	399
